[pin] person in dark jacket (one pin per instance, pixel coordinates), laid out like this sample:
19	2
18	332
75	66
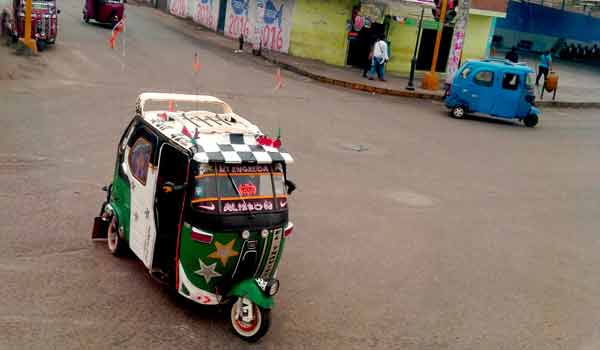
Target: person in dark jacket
369	62
512	55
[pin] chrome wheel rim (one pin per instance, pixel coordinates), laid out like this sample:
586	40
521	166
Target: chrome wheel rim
113	235
245	329
459	112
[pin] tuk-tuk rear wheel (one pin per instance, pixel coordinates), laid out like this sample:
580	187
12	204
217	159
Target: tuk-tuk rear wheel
531	120
254	330
458	112
116	244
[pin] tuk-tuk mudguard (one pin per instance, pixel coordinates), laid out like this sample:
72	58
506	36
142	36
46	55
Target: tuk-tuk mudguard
249	289
452	101
536	111
120	198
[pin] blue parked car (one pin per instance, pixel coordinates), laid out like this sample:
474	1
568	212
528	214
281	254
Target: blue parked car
496	87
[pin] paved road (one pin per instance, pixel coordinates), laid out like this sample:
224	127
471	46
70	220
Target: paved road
442	234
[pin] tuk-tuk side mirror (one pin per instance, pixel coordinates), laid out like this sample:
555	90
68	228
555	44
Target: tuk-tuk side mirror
58	11
291	186
169	187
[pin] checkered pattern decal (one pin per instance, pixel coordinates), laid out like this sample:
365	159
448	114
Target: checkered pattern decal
243	148
222	147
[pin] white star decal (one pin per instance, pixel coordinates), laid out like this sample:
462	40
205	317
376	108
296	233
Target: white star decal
207	271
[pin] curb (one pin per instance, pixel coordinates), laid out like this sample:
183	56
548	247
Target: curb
567	104
350	85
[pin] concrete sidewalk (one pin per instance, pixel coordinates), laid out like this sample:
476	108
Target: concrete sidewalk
351	77
579	86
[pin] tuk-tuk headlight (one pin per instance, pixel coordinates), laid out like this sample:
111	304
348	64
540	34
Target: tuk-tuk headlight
270	287
273	287
245	234
264	233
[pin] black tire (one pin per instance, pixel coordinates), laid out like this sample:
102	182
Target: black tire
86	19
254	331
41	45
116	245
531	120
458	112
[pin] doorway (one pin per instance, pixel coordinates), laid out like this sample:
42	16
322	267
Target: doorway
172	168
427	45
161	5
222	13
359	45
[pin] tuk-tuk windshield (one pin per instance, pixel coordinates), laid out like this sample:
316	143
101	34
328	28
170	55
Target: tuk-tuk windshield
238	187
529	81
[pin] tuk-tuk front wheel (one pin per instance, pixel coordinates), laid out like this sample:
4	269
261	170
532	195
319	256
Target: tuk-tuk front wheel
249	321
116	244
458	112
531	120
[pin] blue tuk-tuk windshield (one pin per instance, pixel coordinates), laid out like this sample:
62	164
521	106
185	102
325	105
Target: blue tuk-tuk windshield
239	187
529	81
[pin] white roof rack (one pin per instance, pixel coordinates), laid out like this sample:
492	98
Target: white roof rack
212	137
200	99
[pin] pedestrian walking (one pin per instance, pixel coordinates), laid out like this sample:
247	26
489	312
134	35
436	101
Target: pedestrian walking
512	55
544	67
380	57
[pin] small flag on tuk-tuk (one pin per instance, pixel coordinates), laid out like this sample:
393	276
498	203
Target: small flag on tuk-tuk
119	27
278	79
196	63
186	132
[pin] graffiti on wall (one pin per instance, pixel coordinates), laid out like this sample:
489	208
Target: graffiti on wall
207	13
267	21
458	39
237	20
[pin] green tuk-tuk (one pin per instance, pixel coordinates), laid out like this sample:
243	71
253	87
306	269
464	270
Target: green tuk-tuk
201	198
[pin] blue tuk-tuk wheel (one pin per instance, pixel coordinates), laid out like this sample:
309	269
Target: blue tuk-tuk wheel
531	120
458	112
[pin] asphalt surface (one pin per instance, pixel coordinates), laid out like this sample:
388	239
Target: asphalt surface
438	234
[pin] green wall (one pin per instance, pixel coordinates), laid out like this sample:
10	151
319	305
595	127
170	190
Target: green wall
319	30
476	38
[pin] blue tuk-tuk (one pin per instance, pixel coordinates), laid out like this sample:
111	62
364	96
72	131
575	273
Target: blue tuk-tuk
496	87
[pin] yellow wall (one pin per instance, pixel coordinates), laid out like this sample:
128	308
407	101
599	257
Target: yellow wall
476	37
402	38
319	30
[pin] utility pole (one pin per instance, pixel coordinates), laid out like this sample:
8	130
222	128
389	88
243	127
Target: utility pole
458	40
413	61
26	40
431	80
